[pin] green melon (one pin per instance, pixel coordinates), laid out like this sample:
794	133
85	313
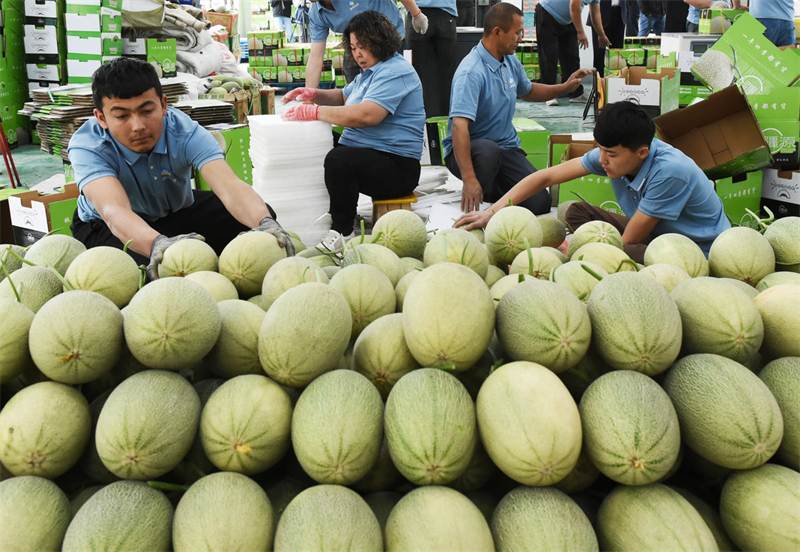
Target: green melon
448	317
369	294
171	324
337	427
9	261
561	213
595	231
718	319
436	519
493	274
543	322
382	258
281	491
147	425
630	427
331	271
530	519
218	285
382	476
711	517
90	463
677	250
56	250
126	515
749	290
727	414
455	245
609	258
186	256
325	261
326	518
507	231
760	508
44	429
403	232
256	300
504	284
430	427
778	278
553	231
125	367
304	334
381	354
651	518
36	285
245	425
478	474
556	252
236	350
82	498
582	476
784	237
223	511
286	274
478	233
76	337
669	276
539	263
782	376
524	398
196	464
106	270
35	514
576	279
15	326
474	377
382	504
411	264
779	306
580	377
743	254
247	258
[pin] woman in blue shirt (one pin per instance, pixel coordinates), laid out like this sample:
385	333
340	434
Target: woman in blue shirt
383	115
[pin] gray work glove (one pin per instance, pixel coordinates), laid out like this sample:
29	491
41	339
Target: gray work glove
420	22
160	245
271	226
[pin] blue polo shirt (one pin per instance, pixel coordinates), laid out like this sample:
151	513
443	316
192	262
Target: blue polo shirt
559	9
157	183
485	91
447	5
394	85
323	20
772	9
671	187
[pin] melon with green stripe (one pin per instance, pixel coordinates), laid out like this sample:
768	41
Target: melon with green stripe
573	276
595	231
784	237
507	231
743	254
778	307
711	517
677	250
630	427
610	258
782	376
35	514
669	276
538	262
727	414
381	355
456	245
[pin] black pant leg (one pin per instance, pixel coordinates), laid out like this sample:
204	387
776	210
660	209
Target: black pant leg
433	57
569	55
96	233
547	39
466	13
515	167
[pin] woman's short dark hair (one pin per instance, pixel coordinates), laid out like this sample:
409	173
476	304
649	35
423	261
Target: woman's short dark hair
624	124
123	78
375	32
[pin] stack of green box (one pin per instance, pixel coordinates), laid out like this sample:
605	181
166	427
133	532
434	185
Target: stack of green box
45	43
528	54
94	36
260	45
13	84
260	19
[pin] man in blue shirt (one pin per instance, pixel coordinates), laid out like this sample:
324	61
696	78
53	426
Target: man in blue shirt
778	17
334	15
134	163
482	146
660	189
697	6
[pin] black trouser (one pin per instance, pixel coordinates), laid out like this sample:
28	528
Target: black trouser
466	13
615	31
557	43
350	170
498	170
207	216
433	55
580	213
692	27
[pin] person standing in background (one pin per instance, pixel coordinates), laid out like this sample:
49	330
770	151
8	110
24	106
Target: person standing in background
433	53
466	13
778	17
630	15
614	27
282	15
560	35
652	16
696	6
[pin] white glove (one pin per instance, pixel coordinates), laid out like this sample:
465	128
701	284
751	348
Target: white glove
420	22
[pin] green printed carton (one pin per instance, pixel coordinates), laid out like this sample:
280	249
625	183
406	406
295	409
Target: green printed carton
162	53
718	21
234	140
777	114
738	194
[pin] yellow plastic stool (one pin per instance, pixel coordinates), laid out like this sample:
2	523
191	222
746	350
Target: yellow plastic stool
382	206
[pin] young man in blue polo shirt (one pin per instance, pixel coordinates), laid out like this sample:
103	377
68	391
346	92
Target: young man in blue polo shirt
660	189
482	146
134	163
334	15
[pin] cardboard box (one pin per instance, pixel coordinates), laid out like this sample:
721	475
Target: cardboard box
258	42
743	56
228	20
721	134
163	53
236	152
780	192
291	57
777	114
81	71
43	39
594	189
532	72
267	94
43	8
534	138
657	93
682	50
44	72
738	194
241	100
717	22
34	215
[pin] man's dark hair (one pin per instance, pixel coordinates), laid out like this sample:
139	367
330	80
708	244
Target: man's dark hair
500	15
624	124
375	32
123	78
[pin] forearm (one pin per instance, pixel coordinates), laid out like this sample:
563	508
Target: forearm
127	226
524	189
597	22
329	97
313	72
242	202
411	6
543	92
353	116
462	149
699	3
575	15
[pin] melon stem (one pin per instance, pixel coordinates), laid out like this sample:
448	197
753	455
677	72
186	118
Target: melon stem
10	281
590	271
530	255
628	261
125	247
161	486
16	255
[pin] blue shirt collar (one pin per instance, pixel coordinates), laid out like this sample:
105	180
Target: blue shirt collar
376	66
131	157
641	177
492	62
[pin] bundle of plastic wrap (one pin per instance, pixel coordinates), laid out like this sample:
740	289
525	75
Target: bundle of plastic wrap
288	172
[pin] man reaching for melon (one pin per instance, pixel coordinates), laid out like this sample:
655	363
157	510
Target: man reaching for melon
134	163
660	189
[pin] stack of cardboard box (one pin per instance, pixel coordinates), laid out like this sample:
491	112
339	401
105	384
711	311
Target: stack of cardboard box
93	29
13	87
286	63
160	52
45	43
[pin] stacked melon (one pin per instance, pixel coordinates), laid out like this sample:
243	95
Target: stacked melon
455	391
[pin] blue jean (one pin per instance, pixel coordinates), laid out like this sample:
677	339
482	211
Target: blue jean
285	24
779	31
648	23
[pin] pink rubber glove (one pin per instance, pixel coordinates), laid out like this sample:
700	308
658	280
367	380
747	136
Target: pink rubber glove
300	95
304	112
